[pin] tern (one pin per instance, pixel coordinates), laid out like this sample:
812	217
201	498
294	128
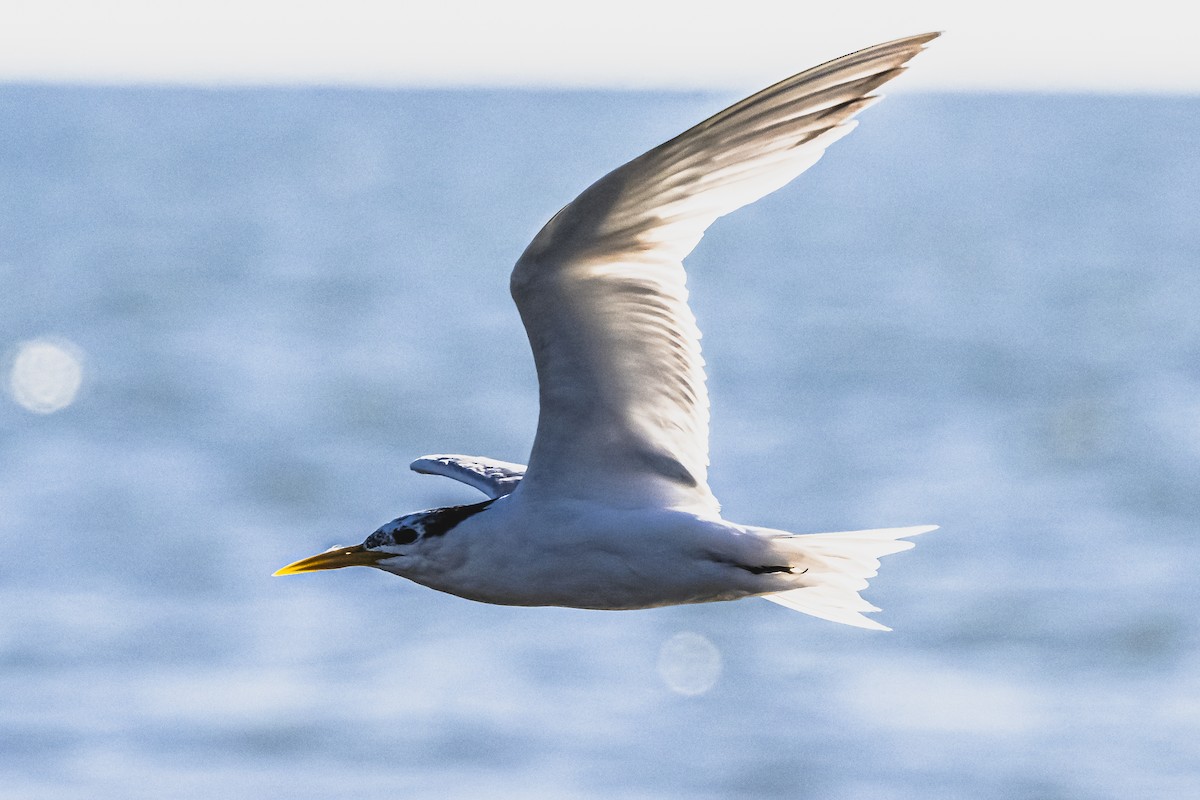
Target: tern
614	510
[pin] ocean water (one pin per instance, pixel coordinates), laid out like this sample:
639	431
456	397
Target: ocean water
977	311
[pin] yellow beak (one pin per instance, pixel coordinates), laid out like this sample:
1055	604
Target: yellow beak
339	557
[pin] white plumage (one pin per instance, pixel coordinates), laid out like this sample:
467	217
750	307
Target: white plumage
614	510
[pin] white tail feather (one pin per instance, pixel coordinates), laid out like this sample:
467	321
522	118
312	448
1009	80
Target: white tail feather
837	567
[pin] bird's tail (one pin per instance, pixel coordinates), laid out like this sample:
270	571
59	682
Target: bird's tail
835	567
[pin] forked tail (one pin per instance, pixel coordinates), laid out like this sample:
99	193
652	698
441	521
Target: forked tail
835	567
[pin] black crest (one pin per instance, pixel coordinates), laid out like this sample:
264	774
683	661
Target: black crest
423	524
440	521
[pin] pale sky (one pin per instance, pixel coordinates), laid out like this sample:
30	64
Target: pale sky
736	44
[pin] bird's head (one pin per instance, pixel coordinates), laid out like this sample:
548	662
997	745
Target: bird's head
400	546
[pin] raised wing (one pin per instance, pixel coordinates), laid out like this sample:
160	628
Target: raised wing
493	478
624	411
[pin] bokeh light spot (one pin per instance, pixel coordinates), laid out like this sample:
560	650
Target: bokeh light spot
46	375
689	663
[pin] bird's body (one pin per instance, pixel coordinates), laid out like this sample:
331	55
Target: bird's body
573	553
614	509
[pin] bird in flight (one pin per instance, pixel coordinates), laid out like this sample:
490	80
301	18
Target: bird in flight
614	510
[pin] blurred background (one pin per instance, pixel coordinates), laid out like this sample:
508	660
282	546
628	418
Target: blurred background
254	259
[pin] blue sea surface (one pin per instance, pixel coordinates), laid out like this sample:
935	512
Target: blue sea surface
980	311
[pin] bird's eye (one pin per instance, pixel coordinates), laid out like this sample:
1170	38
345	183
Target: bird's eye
404	536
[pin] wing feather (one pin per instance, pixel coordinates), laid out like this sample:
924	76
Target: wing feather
601	289
492	477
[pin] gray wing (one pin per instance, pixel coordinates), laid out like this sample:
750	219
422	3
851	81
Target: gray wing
493	478
624	410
